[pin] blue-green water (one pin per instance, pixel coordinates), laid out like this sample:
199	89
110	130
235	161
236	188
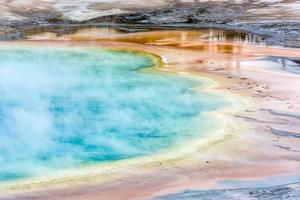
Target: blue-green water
64	107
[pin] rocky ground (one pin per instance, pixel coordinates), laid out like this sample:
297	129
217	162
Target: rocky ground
278	21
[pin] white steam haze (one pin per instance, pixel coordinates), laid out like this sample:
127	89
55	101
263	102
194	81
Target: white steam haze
62	107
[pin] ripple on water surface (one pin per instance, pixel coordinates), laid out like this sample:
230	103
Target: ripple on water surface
64	107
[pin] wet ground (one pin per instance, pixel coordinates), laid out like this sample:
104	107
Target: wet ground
283	192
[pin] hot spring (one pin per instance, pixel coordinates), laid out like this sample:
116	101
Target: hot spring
64	107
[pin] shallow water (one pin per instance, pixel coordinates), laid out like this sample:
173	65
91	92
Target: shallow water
64	107
281	192
178	38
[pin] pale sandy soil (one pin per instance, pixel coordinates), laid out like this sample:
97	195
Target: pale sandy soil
260	136
87	9
75	10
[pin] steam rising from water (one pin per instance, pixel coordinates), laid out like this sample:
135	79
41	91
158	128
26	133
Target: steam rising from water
63	107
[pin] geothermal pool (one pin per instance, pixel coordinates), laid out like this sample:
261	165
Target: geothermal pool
67	107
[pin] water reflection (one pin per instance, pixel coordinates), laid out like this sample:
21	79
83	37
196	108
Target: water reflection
284	63
163	37
217	50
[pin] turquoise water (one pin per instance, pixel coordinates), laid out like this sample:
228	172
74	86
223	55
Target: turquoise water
64	107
